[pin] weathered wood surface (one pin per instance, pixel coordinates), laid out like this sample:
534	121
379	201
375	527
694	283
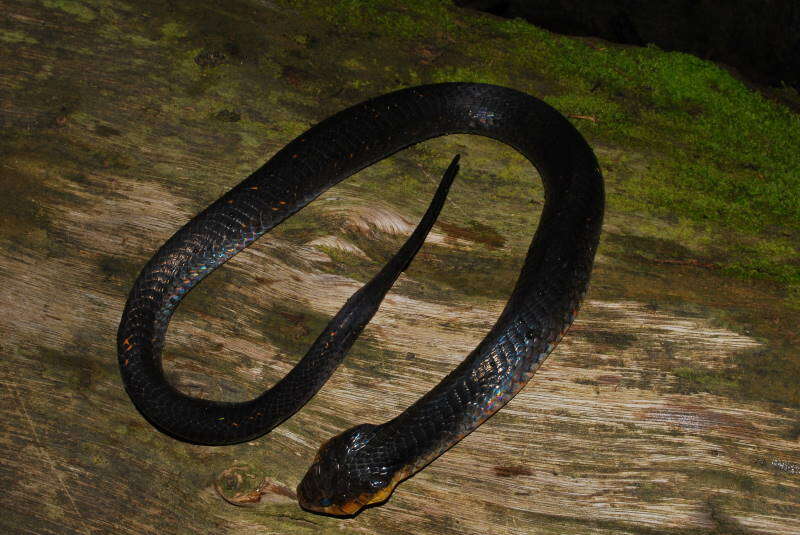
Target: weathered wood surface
121	122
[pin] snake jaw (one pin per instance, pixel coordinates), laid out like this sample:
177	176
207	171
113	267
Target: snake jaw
346	509
355	504
383	494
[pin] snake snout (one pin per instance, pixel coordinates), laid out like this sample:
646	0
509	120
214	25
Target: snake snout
315	490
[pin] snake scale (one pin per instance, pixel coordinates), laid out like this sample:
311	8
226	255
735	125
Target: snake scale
364	464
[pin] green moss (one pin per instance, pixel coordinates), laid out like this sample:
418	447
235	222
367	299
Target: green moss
469	74
715	153
174	30
728	145
480	273
19	212
72	7
774	259
610	339
770	375
353	64
793	433
475	231
291	329
653	492
407	20
721	479
13	36
693	380
793	296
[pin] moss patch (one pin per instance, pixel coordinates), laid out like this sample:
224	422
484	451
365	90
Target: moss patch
717	154
78	9
692	380
291	329
15	36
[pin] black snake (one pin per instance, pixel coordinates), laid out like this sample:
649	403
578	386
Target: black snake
363	465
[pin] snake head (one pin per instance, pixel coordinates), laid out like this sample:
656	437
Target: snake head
344	478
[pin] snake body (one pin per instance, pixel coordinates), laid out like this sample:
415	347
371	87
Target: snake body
364	464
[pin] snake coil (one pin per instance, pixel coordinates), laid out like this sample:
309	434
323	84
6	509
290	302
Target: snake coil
363	465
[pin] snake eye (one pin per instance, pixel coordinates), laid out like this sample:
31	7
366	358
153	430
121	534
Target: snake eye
325	502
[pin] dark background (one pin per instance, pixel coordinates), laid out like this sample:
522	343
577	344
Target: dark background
760	38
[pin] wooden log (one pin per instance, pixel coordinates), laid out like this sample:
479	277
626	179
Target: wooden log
121	121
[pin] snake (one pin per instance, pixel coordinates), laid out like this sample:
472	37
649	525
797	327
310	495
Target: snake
364	464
